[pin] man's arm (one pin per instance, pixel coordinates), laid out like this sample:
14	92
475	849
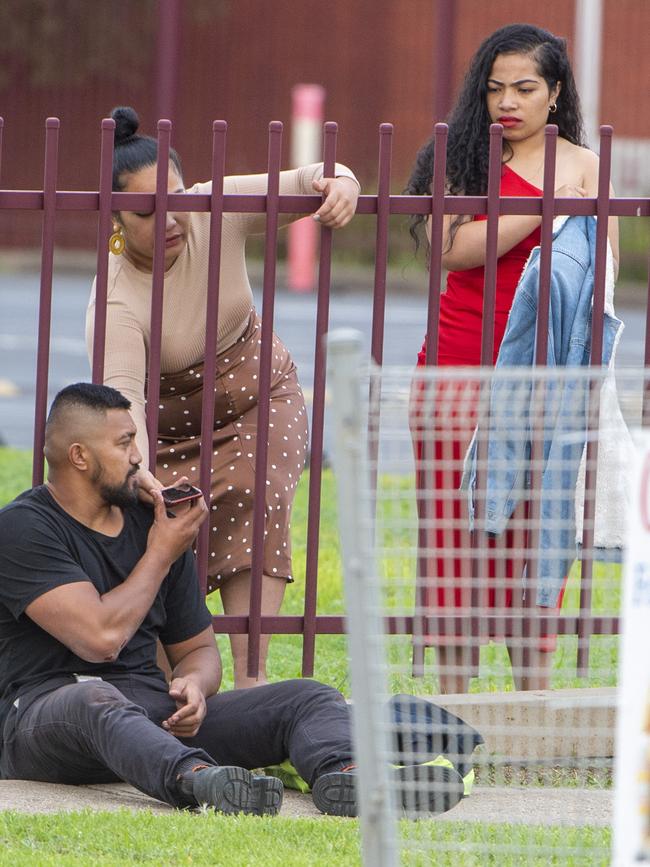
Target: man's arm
96	627
196	675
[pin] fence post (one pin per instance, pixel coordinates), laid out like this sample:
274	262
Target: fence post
167	58
443	59
52	125
364	627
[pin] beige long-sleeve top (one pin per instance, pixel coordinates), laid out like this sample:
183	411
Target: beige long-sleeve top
185	293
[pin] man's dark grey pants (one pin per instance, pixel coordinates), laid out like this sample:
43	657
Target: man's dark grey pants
97	732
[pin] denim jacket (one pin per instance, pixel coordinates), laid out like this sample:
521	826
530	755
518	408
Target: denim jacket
564	422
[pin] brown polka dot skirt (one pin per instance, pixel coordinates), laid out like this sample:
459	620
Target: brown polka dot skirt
234	442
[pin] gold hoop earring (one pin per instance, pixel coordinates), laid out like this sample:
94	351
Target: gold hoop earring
552	108
116	242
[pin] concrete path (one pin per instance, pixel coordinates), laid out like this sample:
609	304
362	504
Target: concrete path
487	804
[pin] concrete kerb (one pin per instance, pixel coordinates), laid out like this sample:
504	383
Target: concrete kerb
26	796
543	725
487	804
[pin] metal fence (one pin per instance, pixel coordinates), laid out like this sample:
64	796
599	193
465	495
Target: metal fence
102	202
543	774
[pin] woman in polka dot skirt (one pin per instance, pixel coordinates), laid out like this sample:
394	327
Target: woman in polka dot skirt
234	436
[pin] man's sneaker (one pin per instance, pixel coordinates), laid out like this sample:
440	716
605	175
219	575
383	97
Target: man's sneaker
229	789
420	789
267	795
428	788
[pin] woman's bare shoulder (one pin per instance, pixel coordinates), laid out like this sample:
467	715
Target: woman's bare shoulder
581	162
577	153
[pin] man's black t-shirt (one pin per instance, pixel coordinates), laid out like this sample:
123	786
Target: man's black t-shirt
42	547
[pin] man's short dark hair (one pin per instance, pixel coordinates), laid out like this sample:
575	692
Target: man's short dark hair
99	398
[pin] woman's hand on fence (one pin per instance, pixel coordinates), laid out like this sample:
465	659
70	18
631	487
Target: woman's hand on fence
570	191
340	202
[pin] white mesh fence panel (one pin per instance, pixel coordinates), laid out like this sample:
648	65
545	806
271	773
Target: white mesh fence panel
498	584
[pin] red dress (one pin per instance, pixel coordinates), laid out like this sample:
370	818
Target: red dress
461	306
443	415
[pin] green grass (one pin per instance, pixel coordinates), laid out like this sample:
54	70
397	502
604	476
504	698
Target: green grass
173	839
397	523
15	473
123	838
396	537
502	845
634	242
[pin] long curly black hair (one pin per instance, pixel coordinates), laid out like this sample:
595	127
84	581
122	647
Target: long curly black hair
469	121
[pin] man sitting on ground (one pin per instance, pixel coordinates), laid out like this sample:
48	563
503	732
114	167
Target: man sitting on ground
90	578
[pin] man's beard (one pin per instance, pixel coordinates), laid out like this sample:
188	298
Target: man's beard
123	496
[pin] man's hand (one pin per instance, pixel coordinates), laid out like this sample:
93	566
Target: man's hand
190	708
172	536
147	483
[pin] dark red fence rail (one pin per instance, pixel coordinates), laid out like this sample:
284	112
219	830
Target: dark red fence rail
383	205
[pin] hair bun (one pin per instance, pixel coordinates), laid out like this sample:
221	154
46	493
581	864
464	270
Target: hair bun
126	123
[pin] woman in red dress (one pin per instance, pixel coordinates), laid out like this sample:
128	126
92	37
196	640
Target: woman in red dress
521	78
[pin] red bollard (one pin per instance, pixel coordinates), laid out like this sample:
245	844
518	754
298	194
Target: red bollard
308	102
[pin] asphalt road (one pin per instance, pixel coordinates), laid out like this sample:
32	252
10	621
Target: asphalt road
295	317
